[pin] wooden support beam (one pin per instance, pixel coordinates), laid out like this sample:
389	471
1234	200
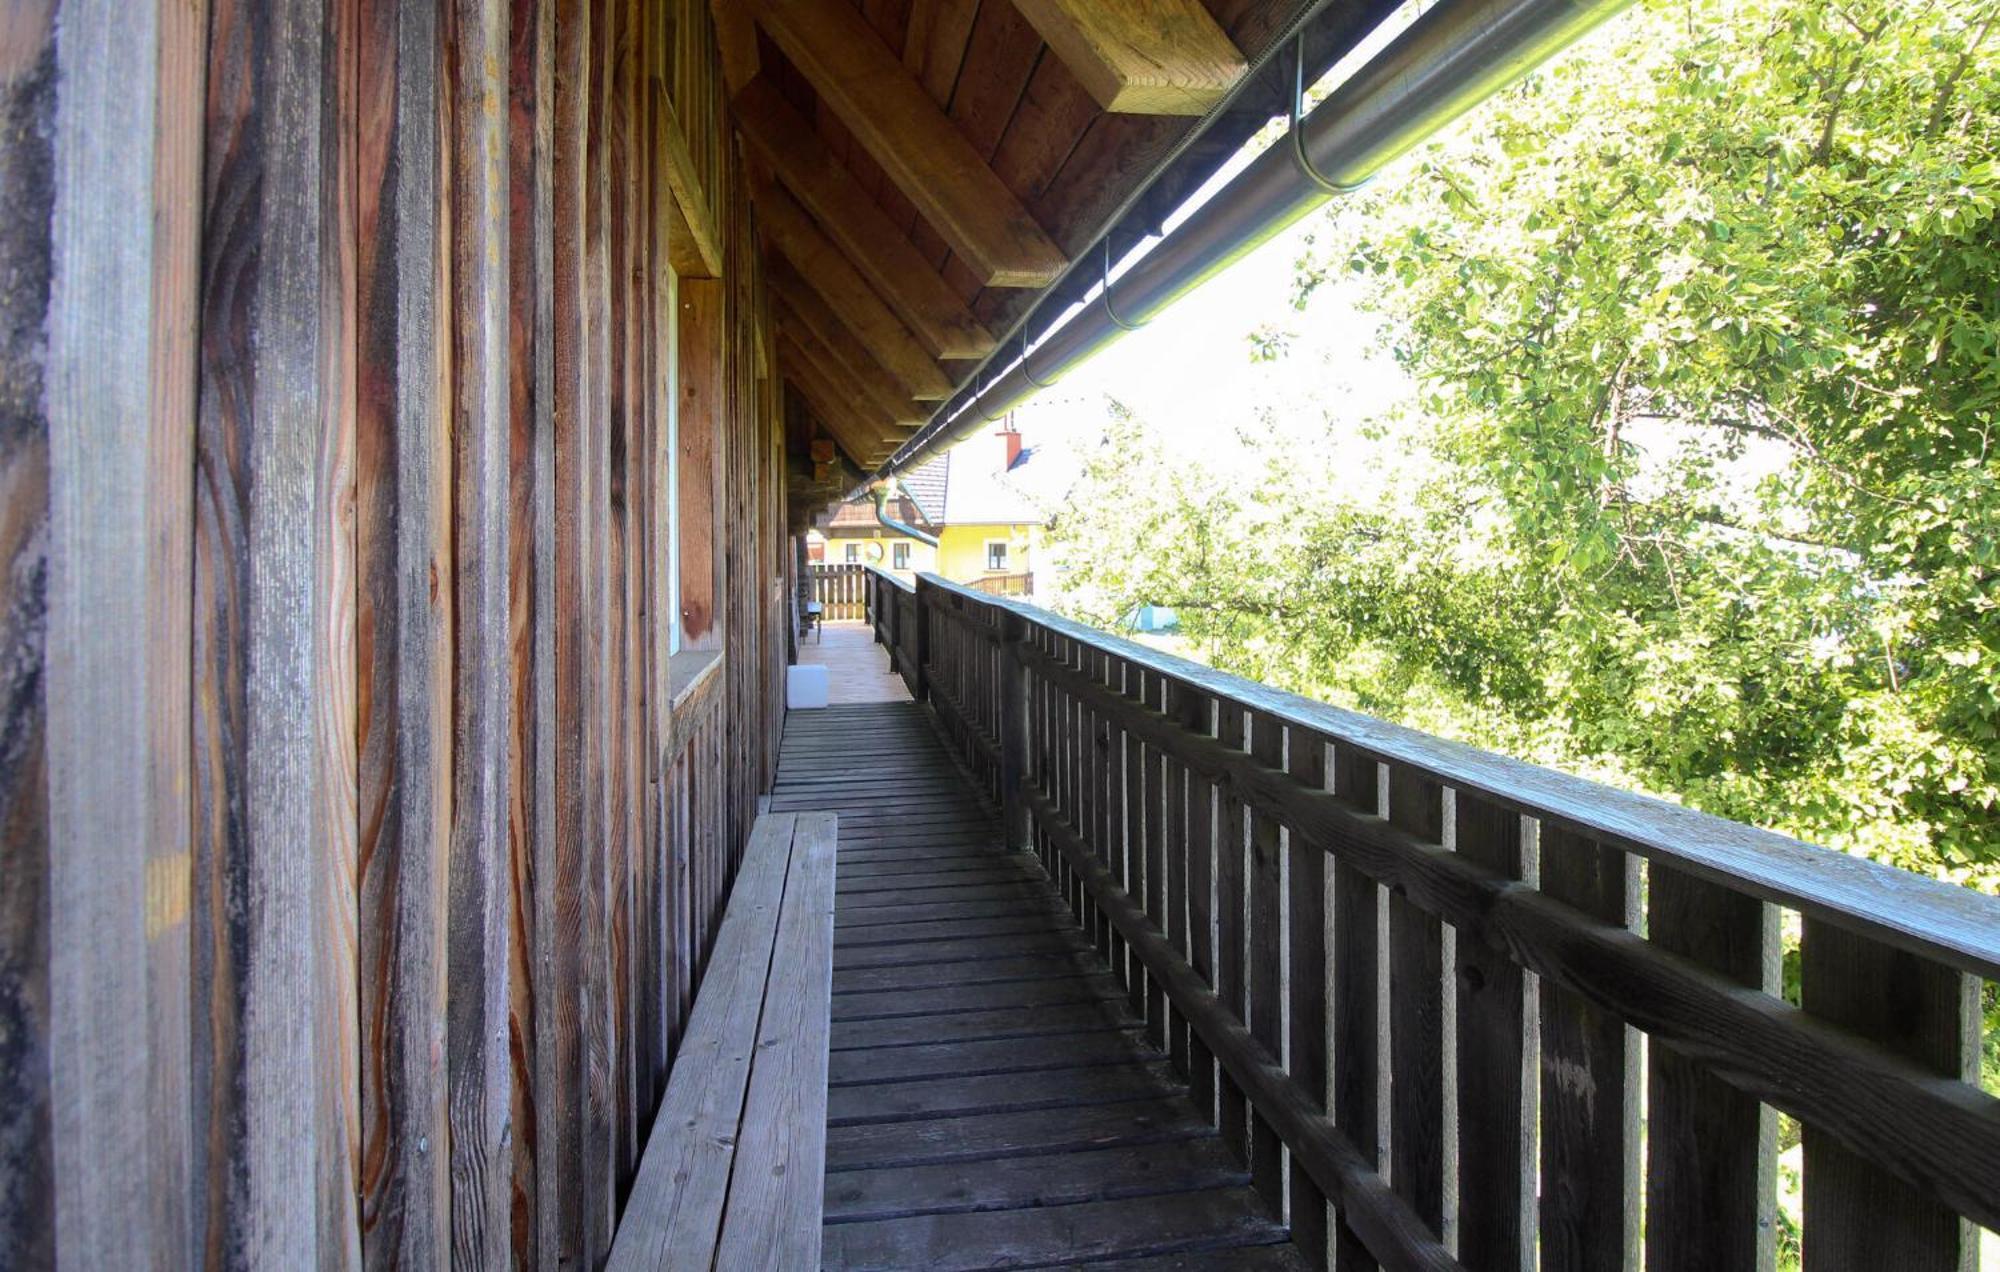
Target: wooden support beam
923	152
694	244
736	40
1140	57
853	220
869	397
859	438
838	401
828	271
846	354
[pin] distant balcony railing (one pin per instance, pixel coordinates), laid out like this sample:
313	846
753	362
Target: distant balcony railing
1417	985
841	588
1022	584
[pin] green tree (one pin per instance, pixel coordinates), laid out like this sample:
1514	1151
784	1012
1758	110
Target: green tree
1697	491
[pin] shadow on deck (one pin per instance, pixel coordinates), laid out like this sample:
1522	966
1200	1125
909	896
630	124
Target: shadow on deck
992	1100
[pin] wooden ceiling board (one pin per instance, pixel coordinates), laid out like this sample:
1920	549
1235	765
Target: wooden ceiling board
934	45
999	58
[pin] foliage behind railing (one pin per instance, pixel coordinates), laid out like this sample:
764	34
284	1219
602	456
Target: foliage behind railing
1422	982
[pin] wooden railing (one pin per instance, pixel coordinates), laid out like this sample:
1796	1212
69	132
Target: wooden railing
1022	584
841	590
892	612
1417	985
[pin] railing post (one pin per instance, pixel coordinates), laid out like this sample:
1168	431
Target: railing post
921	689
1013	729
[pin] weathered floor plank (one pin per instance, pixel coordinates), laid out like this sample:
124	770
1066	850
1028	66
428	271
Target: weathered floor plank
992	1100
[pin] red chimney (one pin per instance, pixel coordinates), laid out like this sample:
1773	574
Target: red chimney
1013	438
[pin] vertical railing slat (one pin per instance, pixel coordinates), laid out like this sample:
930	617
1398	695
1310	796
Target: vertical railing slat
1857	1214
1197	713
1416	1017
1357	1038
1305	1059
1265	960
1153	840
1229	912
1590	1059
1496	1167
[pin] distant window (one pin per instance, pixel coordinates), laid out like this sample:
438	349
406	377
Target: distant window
854	554
996	555
899	555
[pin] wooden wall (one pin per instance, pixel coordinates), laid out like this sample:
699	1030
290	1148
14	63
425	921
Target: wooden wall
362	843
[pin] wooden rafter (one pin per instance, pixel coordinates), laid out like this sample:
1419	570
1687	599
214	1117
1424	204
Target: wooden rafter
863	449
882	397
860	433
826	268
854	221
1140	57
816	372
923	152
736	42
806	309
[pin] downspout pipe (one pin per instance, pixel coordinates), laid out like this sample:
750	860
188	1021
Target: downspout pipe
1449	60
880	492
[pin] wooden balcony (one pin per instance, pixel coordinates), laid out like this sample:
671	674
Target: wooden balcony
1433	1006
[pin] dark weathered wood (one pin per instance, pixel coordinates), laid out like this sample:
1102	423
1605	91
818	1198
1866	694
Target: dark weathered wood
1758	1044
1046	1235
1496	1159
1590	1078
265	1155
531	606
28	97
1857	1214
983	1068
677	1202
1711	1150
107	296
1305	967
1389	1228
475	36
578	811
403	470
1231	901
1899	908
1416	1017
1197	715
1265	960
1357	1000
773	1218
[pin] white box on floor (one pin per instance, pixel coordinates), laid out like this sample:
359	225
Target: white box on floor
805	687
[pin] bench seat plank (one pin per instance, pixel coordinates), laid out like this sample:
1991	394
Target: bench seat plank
778	1185
753	1065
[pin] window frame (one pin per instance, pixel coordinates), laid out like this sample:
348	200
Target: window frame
1003	546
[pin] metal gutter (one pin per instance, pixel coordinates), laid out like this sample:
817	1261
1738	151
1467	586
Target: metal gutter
1447	61
880	493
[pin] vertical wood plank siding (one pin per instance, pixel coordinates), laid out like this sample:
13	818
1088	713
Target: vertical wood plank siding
1415	994
362	843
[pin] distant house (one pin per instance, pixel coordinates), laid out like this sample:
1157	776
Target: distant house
972	499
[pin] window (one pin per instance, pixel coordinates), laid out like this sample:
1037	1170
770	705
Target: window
854	554
899	556
996	555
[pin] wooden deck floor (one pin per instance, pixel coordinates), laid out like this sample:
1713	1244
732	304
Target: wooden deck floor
857	669
991	1102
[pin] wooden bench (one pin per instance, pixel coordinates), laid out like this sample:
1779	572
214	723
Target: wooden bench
735	1166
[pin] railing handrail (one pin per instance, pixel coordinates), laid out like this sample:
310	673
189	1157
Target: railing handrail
1954	925
879	572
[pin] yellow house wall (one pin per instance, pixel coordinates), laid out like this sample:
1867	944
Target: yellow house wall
961	551
923	557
